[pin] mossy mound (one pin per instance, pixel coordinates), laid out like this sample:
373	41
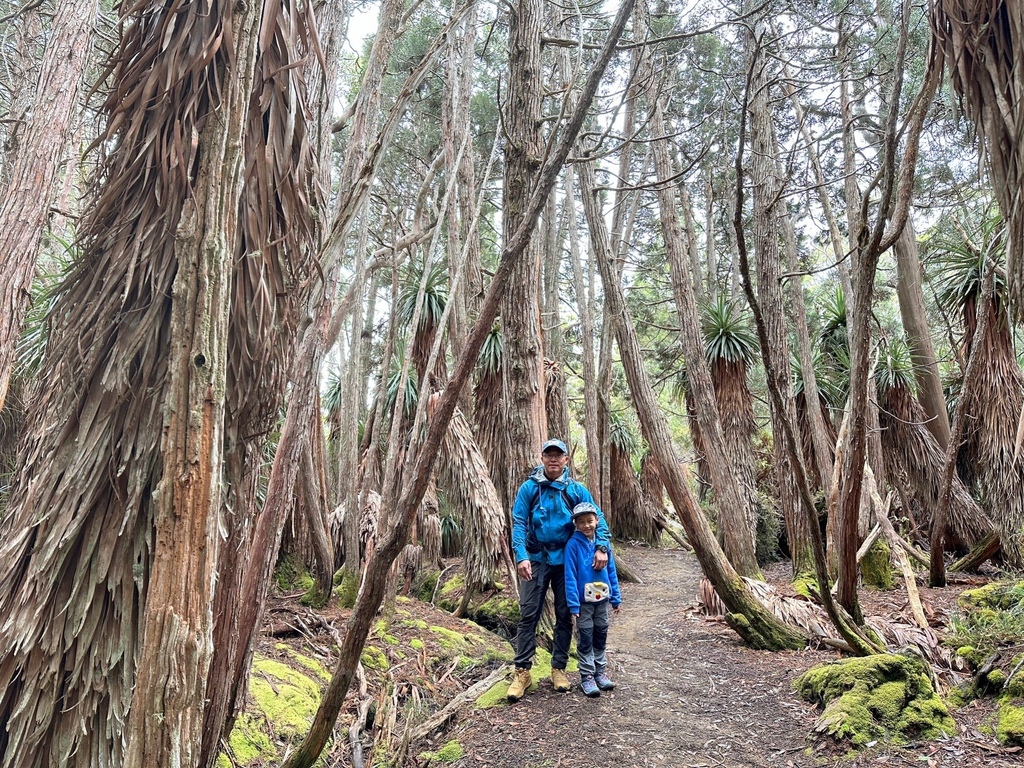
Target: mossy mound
497	695
887	697
449	753
876	567
1010	727
496	609
284	694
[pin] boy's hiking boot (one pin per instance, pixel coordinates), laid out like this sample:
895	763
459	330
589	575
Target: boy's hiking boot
521	682
558	680
604	682
589	686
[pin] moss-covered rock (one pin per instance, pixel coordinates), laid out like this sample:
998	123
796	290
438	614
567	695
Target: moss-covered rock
290	576
449	753
1010	729
876	567
887	697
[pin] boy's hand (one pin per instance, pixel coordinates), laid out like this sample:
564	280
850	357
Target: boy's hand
615	610
524	570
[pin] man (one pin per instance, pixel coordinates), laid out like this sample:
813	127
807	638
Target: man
541	526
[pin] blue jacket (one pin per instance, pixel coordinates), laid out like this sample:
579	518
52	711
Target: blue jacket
543	515
579	572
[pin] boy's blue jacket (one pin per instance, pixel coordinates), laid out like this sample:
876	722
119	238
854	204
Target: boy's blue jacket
579	571
542	508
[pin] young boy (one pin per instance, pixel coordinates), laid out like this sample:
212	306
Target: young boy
588	593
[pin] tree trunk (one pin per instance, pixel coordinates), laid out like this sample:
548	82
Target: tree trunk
522	346
177	635
587	335
767	189
909	276
820	456
37	156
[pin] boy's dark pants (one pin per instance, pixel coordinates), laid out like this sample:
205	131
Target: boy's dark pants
531	604
592	636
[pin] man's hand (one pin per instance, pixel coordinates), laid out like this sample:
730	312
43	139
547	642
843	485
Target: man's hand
600	560
524	569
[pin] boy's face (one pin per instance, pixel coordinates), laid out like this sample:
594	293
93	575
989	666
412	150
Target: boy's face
586	524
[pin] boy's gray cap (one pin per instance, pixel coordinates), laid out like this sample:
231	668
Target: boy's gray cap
554	444
583	508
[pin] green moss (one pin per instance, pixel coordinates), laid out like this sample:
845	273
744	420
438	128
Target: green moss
287	697
1016	687
497	611
223	761
456	583
959	696
876	567
308	662
805	585
424	589
450	752
347	588
249	742
415	623
450	640
996	678
971	655
1010	730
987	618
290	576
416	643
374	658
886	697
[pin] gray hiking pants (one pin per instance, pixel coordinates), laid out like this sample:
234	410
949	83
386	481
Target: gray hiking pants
591	637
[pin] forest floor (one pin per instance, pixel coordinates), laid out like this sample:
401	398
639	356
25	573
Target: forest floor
689	694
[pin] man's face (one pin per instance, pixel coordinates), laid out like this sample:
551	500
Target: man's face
554	462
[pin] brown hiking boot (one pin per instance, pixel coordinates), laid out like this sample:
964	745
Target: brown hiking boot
559	681
521	682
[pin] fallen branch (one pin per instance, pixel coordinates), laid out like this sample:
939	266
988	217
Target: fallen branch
895	544
472	693
983	550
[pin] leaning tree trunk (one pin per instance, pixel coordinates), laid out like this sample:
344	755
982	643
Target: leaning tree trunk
746	615
131	484
41	147
909	276
735	516
375	575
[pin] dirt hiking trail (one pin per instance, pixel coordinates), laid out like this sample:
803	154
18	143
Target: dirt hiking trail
688	694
